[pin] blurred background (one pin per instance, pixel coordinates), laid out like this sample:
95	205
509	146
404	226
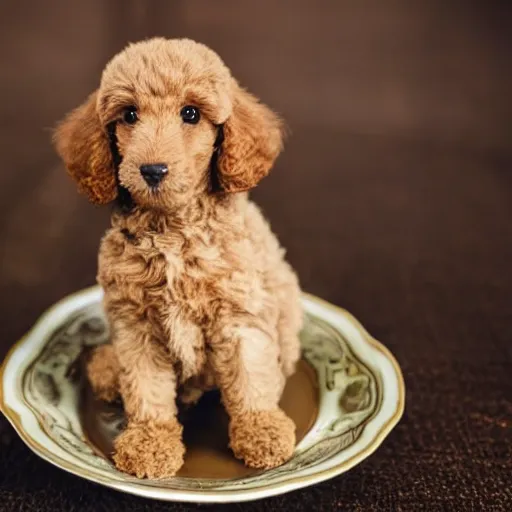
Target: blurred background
393	196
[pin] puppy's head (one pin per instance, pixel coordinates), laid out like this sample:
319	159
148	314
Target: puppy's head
168	123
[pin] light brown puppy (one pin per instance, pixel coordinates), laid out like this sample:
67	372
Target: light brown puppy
197	292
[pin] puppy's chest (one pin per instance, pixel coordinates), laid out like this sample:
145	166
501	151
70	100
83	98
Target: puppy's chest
201	272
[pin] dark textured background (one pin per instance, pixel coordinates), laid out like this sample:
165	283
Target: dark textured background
393	197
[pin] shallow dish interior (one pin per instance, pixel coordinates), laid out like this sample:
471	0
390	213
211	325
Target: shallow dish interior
205	426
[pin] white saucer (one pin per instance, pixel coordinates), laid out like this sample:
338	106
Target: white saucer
359	381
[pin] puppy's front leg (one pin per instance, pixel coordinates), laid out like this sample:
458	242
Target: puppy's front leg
246	365
151	445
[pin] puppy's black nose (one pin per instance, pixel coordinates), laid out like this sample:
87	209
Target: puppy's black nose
153	174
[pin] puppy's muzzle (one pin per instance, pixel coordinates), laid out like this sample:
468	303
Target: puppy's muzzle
153	174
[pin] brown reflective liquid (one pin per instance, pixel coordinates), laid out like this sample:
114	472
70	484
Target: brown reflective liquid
206	426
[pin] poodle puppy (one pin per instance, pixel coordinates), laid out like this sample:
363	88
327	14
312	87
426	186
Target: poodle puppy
197	292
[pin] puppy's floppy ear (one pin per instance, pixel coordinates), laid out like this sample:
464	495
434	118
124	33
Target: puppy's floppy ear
83	144
253	138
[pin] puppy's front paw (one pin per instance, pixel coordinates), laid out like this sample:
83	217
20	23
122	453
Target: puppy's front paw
263	439
152	450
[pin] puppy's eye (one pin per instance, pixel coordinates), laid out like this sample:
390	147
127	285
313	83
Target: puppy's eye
130	115
190	114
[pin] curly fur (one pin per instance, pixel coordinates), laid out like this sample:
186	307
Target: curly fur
264	439
150	449
103	372
197	290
